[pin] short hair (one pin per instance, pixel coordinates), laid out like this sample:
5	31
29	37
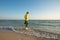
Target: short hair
27	12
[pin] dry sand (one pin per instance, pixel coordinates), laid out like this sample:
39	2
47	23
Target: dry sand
18	36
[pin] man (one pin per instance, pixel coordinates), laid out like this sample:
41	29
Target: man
26	20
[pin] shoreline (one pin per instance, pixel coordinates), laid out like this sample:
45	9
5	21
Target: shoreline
33	32
4	35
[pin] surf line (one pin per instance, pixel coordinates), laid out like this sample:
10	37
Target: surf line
32	32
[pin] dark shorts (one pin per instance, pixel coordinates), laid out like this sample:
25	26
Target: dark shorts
26	22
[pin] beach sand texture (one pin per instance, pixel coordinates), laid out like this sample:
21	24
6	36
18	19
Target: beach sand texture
18	36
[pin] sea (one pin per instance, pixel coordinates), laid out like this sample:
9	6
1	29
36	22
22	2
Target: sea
39	28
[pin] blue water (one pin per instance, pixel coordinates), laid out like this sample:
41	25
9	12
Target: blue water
45	27
45	24
36	23
33	23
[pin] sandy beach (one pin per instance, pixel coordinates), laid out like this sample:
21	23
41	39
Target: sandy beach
18	36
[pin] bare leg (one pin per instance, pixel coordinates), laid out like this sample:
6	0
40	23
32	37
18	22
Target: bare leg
26	27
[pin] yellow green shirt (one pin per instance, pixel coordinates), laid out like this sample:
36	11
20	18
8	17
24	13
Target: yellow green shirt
26	17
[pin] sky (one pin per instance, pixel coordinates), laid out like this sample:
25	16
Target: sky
38	9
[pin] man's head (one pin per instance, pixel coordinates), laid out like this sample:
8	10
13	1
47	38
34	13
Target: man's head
27	12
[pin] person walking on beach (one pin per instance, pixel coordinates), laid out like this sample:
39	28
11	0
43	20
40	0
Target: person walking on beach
26	20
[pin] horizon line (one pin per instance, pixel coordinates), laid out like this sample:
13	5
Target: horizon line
30	19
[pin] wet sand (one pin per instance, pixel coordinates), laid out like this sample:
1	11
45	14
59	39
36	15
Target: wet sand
18	36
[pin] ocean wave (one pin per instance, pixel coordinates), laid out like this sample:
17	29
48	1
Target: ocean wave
46	24
34	31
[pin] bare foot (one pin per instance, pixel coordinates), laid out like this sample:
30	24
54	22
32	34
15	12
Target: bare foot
27	28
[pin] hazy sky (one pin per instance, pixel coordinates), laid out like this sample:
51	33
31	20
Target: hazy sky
38	9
